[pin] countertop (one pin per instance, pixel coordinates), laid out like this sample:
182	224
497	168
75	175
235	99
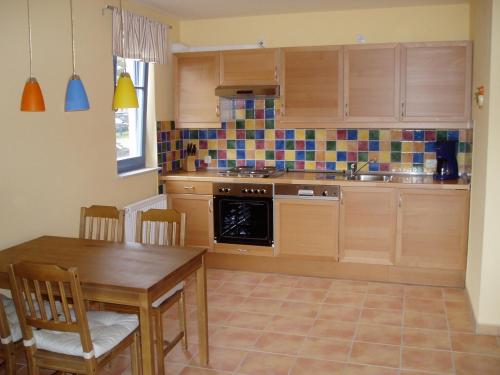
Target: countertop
323	178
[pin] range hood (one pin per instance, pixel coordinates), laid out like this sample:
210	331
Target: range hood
247	92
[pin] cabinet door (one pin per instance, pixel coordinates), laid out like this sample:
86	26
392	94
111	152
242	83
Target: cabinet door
371	82
311	85
196	75
367	231
199	217
247	67
432	228
306	228
436	81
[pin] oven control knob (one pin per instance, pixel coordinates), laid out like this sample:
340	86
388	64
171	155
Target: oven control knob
325	193
263	191
257	191
221	190
227	190
252	191
244	190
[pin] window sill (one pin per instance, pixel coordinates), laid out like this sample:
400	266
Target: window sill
138	172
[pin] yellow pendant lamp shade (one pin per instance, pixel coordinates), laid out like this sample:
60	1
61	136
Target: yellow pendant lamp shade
32	100
125	95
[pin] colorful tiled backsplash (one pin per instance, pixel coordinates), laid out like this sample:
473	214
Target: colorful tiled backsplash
248	137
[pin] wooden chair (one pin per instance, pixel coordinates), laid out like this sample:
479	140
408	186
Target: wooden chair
73	341
10	334
165	227
102	223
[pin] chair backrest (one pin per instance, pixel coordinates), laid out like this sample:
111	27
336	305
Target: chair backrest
161	227
102	223
35	290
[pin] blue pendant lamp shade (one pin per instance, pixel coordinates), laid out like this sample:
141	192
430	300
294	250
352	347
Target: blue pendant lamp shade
76	97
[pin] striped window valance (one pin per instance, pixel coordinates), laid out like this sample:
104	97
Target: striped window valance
145	39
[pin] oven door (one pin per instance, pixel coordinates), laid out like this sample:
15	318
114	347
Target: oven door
245	220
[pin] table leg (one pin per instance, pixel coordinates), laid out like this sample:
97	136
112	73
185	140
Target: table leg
201	296
148	366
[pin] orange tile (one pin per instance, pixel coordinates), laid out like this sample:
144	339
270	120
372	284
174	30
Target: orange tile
383	302
234	338
423	338
307	366
241	289
262	291
264	363
223	359
299	309
353	369
458	306
455	294
425	292
472	364
290	324
279	343
339	313
218	274
280	280
480	344
427	360
306	295
378	334
314	283
385	317
427	306
225	300
416	319
247	277
386	289
260	305
333	330
375	354
343	298
325	349
248	320
461	321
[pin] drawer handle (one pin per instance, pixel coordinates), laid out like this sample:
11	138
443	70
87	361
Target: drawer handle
210	209
400	203
189	187
242	250
217	110
276	73
403	109
346	109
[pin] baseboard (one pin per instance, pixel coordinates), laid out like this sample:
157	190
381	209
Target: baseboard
483	329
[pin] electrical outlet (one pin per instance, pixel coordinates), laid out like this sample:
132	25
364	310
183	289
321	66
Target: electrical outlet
207	159
431	163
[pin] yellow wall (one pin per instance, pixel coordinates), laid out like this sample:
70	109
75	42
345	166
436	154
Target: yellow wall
405	24
53	162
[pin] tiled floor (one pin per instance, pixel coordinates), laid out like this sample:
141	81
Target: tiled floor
267	324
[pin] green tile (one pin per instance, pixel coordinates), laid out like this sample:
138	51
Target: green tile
289	165
442	135
250	134
310	155
240	124
310	134
363	156
290	145
231	163
331	145
396	146
269	155
461	147
231	144
213	154
468	147
395	157
193	134
249	114
269	124
269	103
374	135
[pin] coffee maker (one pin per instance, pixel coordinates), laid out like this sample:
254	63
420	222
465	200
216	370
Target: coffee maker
446	155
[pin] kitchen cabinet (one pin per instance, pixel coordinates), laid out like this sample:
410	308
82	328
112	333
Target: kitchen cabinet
368	218
306	228
249	67
194	199
432	228
196	75
436	82
371	83
311	86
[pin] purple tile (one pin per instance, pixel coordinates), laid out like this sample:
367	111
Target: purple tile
320	165
352	156
299	165
240	163
362	145
341	134
221	155
259	114
407	135
385	167
430	135
203	144
280	155
259	164
259	144
221	134
300	145
240	134
240	104
279	134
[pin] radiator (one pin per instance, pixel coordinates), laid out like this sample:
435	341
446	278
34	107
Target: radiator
158	201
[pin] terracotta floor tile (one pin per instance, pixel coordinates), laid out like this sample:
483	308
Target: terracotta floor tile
266	364
280	280
260	305
225	300
199	371
345	299
279	343
307	366
427	306
479	344
339	313
230	337
384	317
325	349
306	295
427	360
378	334
219	274
216	315
353	369
179	355
290	324
423	292
424	338
455	294
247	277
240	289
192	331
264	291
223	359
173	368
299	309
333	330
248	320
349	286
412	372
457	306
314	283
387	289
383	302
461	321
416	319
473	364
375	354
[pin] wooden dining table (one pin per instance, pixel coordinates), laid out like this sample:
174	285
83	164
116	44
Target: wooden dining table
126	273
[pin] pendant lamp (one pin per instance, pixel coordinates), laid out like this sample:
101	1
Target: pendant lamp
76	97
125	95
32	99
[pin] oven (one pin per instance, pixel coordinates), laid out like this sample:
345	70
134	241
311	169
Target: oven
243	214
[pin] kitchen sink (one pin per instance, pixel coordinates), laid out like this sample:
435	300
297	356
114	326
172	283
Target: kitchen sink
371	177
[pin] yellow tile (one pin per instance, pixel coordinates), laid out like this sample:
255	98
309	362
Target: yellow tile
352	146
341	145
260	154
384	146
240	114
269	134
269	145
406	167
231	154
250	154
212	144
384	135
310	165
250	144
320	135
289	155
406	146
384	157
363	134
341	165
250	124
277	104
202	153
259	104
330	156
231	134
230	125
300	134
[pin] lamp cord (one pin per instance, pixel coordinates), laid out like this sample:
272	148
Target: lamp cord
72	35
29	36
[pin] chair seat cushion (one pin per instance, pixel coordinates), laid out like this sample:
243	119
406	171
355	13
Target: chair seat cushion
169	294
10	311
107	329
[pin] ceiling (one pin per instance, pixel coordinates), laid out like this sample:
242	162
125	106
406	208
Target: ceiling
197	9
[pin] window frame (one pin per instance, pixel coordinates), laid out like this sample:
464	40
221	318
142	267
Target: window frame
138	162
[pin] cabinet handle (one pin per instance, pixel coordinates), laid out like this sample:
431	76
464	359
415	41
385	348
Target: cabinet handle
403	109
242	250
341	197
283	108
400	202
276	73
210	208
217	110
346	109
188	187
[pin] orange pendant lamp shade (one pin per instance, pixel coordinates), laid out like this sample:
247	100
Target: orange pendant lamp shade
125	95
32	100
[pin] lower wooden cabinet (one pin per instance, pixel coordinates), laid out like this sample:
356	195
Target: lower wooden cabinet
306	228
432	228
368	225
199	217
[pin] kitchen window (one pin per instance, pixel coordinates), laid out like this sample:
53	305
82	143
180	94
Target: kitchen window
130	123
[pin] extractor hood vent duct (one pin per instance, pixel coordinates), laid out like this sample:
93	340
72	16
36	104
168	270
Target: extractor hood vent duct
248	92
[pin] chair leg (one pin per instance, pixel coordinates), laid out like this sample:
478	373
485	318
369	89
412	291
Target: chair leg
10	359
159	342
135	355
182	319
32	366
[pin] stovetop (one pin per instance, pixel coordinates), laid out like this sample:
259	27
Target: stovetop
246	171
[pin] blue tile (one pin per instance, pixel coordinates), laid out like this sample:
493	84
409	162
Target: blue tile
352	134
222	163
289	134
310	145
331	165
374	167
279	145
259	134
240	154
430	146
418	157
203	134
249	104
169	147
300	155
418	135
269	113
178	144
240	144
185	134
373	145
280	164
223	125
163	136
341	156
250	163
212	134
453	135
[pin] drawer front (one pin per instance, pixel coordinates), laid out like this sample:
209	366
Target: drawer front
188	187
228	248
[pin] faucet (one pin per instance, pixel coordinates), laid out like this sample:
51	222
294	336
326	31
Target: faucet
353	169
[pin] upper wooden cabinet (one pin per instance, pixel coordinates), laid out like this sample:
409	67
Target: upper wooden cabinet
196	75
371	82
254	67
311	86
436	81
